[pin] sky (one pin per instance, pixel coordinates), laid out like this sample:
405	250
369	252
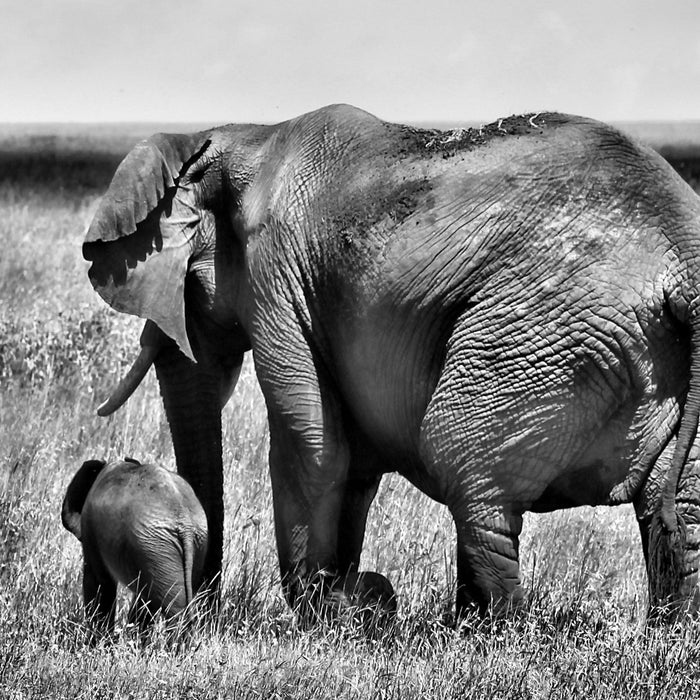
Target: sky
222	61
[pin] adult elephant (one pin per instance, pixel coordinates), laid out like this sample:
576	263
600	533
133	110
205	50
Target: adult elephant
506	316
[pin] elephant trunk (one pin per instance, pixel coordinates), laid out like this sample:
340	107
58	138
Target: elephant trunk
191	396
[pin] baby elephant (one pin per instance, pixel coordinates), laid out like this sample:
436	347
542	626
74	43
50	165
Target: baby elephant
139	525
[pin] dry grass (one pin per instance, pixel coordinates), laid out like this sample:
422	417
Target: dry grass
581	633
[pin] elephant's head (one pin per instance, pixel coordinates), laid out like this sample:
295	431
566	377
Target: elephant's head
167	243
156	243
77	492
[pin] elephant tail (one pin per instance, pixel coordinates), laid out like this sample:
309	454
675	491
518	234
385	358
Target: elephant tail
668	532
187	563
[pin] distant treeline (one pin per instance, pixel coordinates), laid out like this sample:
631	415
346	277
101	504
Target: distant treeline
66	166
75	172
686	161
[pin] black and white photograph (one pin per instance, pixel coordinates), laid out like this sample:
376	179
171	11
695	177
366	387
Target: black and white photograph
349	349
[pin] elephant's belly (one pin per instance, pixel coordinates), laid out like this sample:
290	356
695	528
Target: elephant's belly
388	407
586	485
388	365
574	421
616	462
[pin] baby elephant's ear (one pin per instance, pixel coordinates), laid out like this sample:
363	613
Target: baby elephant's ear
77	492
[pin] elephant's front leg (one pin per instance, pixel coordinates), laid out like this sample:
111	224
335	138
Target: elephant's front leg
308	470
358	495
319	532
309	466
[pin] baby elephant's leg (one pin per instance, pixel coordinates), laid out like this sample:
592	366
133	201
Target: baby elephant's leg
161	586
142	613
99	595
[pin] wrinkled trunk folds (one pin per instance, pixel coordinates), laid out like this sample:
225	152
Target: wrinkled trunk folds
191	396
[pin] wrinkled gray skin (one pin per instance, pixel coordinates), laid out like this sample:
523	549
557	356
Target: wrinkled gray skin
507	317
139	525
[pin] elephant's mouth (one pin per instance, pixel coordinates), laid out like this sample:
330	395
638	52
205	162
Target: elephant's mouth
151	343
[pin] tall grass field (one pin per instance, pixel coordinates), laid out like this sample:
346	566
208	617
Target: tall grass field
582	632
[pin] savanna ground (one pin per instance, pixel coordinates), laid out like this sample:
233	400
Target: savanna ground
581	633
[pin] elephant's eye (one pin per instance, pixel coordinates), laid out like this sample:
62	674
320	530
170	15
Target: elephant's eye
196	175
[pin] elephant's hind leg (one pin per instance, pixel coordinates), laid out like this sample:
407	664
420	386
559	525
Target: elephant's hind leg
99	595
479	478
488	571
487	519
524	410
160	585
142	613
672	574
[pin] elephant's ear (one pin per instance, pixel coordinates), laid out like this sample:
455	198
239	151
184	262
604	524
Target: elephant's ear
77	492
141	237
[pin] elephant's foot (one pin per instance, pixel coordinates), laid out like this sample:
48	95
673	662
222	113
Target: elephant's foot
365	591
364	598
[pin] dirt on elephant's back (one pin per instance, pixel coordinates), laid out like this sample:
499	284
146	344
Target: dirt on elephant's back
455	140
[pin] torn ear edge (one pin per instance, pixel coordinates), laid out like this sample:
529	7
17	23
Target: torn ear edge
140	182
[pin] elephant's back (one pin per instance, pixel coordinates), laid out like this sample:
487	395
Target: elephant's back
143	492
556	209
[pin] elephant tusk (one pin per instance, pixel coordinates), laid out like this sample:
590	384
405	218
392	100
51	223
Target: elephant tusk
131	380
